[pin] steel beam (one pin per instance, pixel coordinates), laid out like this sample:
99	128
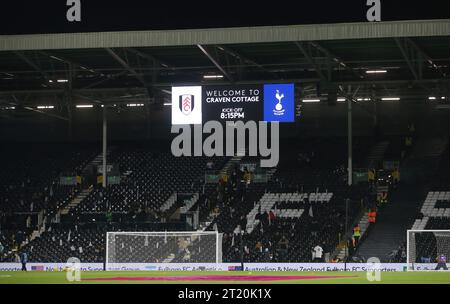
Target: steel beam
149	57
411	57
72	63
338	60
126	66
305	48
46	114
211	58
243	58
426	59
33	65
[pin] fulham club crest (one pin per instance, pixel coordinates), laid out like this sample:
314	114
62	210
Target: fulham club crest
186	104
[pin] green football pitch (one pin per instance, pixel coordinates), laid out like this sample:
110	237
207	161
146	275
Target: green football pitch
152	277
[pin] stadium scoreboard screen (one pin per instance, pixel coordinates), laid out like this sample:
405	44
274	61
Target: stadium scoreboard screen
229	103
199	104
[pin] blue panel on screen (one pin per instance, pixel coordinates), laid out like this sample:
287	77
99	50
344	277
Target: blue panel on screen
279	103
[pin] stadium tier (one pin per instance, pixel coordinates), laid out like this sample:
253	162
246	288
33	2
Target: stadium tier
264	215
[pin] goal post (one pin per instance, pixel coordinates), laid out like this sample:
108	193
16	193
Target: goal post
163	247
423	247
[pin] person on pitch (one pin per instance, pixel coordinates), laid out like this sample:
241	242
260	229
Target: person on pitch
23	260
442	262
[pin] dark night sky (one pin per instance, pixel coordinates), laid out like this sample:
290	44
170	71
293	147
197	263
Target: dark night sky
49	16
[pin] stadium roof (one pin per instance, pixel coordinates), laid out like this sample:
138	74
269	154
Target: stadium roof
389	59
315	32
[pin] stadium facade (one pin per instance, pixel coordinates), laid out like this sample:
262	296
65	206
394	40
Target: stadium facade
85	122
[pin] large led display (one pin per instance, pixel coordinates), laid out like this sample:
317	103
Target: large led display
197	104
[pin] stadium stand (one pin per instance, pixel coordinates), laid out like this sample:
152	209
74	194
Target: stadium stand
434	213
151	178
30	192
281	214
311	169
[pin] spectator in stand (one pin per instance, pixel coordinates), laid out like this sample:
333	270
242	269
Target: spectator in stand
421	215
403	255
231	211
260	217
357	259
283	246
210	165
425	259
237	230
396	177
265	219
372	218
259	247
314	227
356	235
271	217
393	255
335	259
268	256
371	176
326	252
318	254
216	212
350	247
243	221
20	237
372	215
383	198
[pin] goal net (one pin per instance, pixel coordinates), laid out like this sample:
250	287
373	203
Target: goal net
163	247
425	246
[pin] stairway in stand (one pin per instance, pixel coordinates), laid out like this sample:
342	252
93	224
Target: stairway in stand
76	200
393	221
376	154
